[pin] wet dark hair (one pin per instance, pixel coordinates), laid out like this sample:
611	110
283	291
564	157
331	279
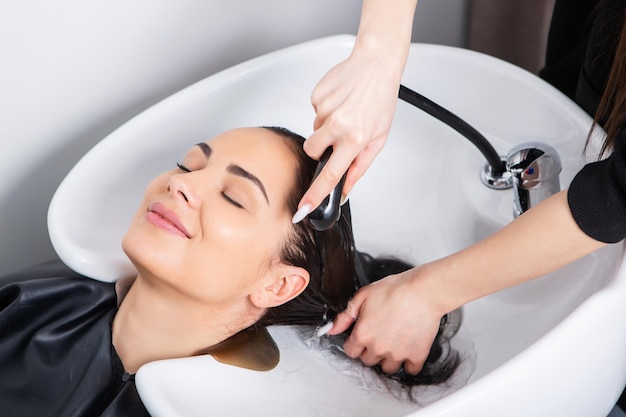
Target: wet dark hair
337	270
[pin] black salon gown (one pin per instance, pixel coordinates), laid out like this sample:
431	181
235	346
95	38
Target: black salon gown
56	355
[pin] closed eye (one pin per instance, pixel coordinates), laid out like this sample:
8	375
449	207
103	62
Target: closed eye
182	167
224	195
231	201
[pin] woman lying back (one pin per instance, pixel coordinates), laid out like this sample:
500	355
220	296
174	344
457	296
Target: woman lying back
216	254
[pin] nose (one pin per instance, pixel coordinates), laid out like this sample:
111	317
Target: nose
180	188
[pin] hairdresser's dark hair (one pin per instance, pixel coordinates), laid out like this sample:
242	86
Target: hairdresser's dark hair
611	111
337	270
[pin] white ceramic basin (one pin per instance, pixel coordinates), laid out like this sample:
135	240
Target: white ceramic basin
554	346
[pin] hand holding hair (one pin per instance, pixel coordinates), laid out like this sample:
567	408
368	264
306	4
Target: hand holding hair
395	323
397	318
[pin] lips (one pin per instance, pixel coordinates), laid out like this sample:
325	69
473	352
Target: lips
166	219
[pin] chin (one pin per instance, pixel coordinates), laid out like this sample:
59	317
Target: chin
154	253
146	254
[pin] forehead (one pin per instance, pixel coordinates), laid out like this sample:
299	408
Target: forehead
262	152
253	138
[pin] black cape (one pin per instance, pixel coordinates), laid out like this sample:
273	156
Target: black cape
56	354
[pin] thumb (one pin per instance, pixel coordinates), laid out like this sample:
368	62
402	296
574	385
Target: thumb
345	319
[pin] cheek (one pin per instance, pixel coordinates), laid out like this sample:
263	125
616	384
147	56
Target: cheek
229	243
241	245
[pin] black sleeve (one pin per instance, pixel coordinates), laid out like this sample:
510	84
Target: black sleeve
567	43
597	196
581	46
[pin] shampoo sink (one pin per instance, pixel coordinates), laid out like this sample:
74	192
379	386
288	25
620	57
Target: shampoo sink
552	347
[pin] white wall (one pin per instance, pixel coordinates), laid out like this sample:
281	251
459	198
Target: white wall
444	22
73	70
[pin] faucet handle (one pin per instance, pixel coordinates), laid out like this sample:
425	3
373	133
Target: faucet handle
535	169
533	162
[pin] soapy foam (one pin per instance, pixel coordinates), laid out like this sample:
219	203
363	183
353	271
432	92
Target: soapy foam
368	380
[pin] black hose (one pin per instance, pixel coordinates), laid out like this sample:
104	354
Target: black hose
498	166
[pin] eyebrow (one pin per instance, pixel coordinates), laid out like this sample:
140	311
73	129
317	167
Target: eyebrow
236	170
206	149
240	172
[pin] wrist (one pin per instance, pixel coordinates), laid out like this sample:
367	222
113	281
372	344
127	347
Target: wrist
426	283
385	32
388	56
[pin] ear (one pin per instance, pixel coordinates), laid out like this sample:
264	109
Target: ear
288	282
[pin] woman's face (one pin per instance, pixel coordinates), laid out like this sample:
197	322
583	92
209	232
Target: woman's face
212	227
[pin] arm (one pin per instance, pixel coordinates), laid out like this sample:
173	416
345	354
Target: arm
356	100
538	242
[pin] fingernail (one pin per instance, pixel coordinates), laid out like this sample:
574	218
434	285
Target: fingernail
301	213
344	199
324	329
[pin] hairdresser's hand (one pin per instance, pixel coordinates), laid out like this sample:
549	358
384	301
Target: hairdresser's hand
354	104
396	323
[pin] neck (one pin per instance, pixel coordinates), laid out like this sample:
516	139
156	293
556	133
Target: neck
156	322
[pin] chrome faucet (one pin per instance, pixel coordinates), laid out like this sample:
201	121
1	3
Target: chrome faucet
531	168
535	169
